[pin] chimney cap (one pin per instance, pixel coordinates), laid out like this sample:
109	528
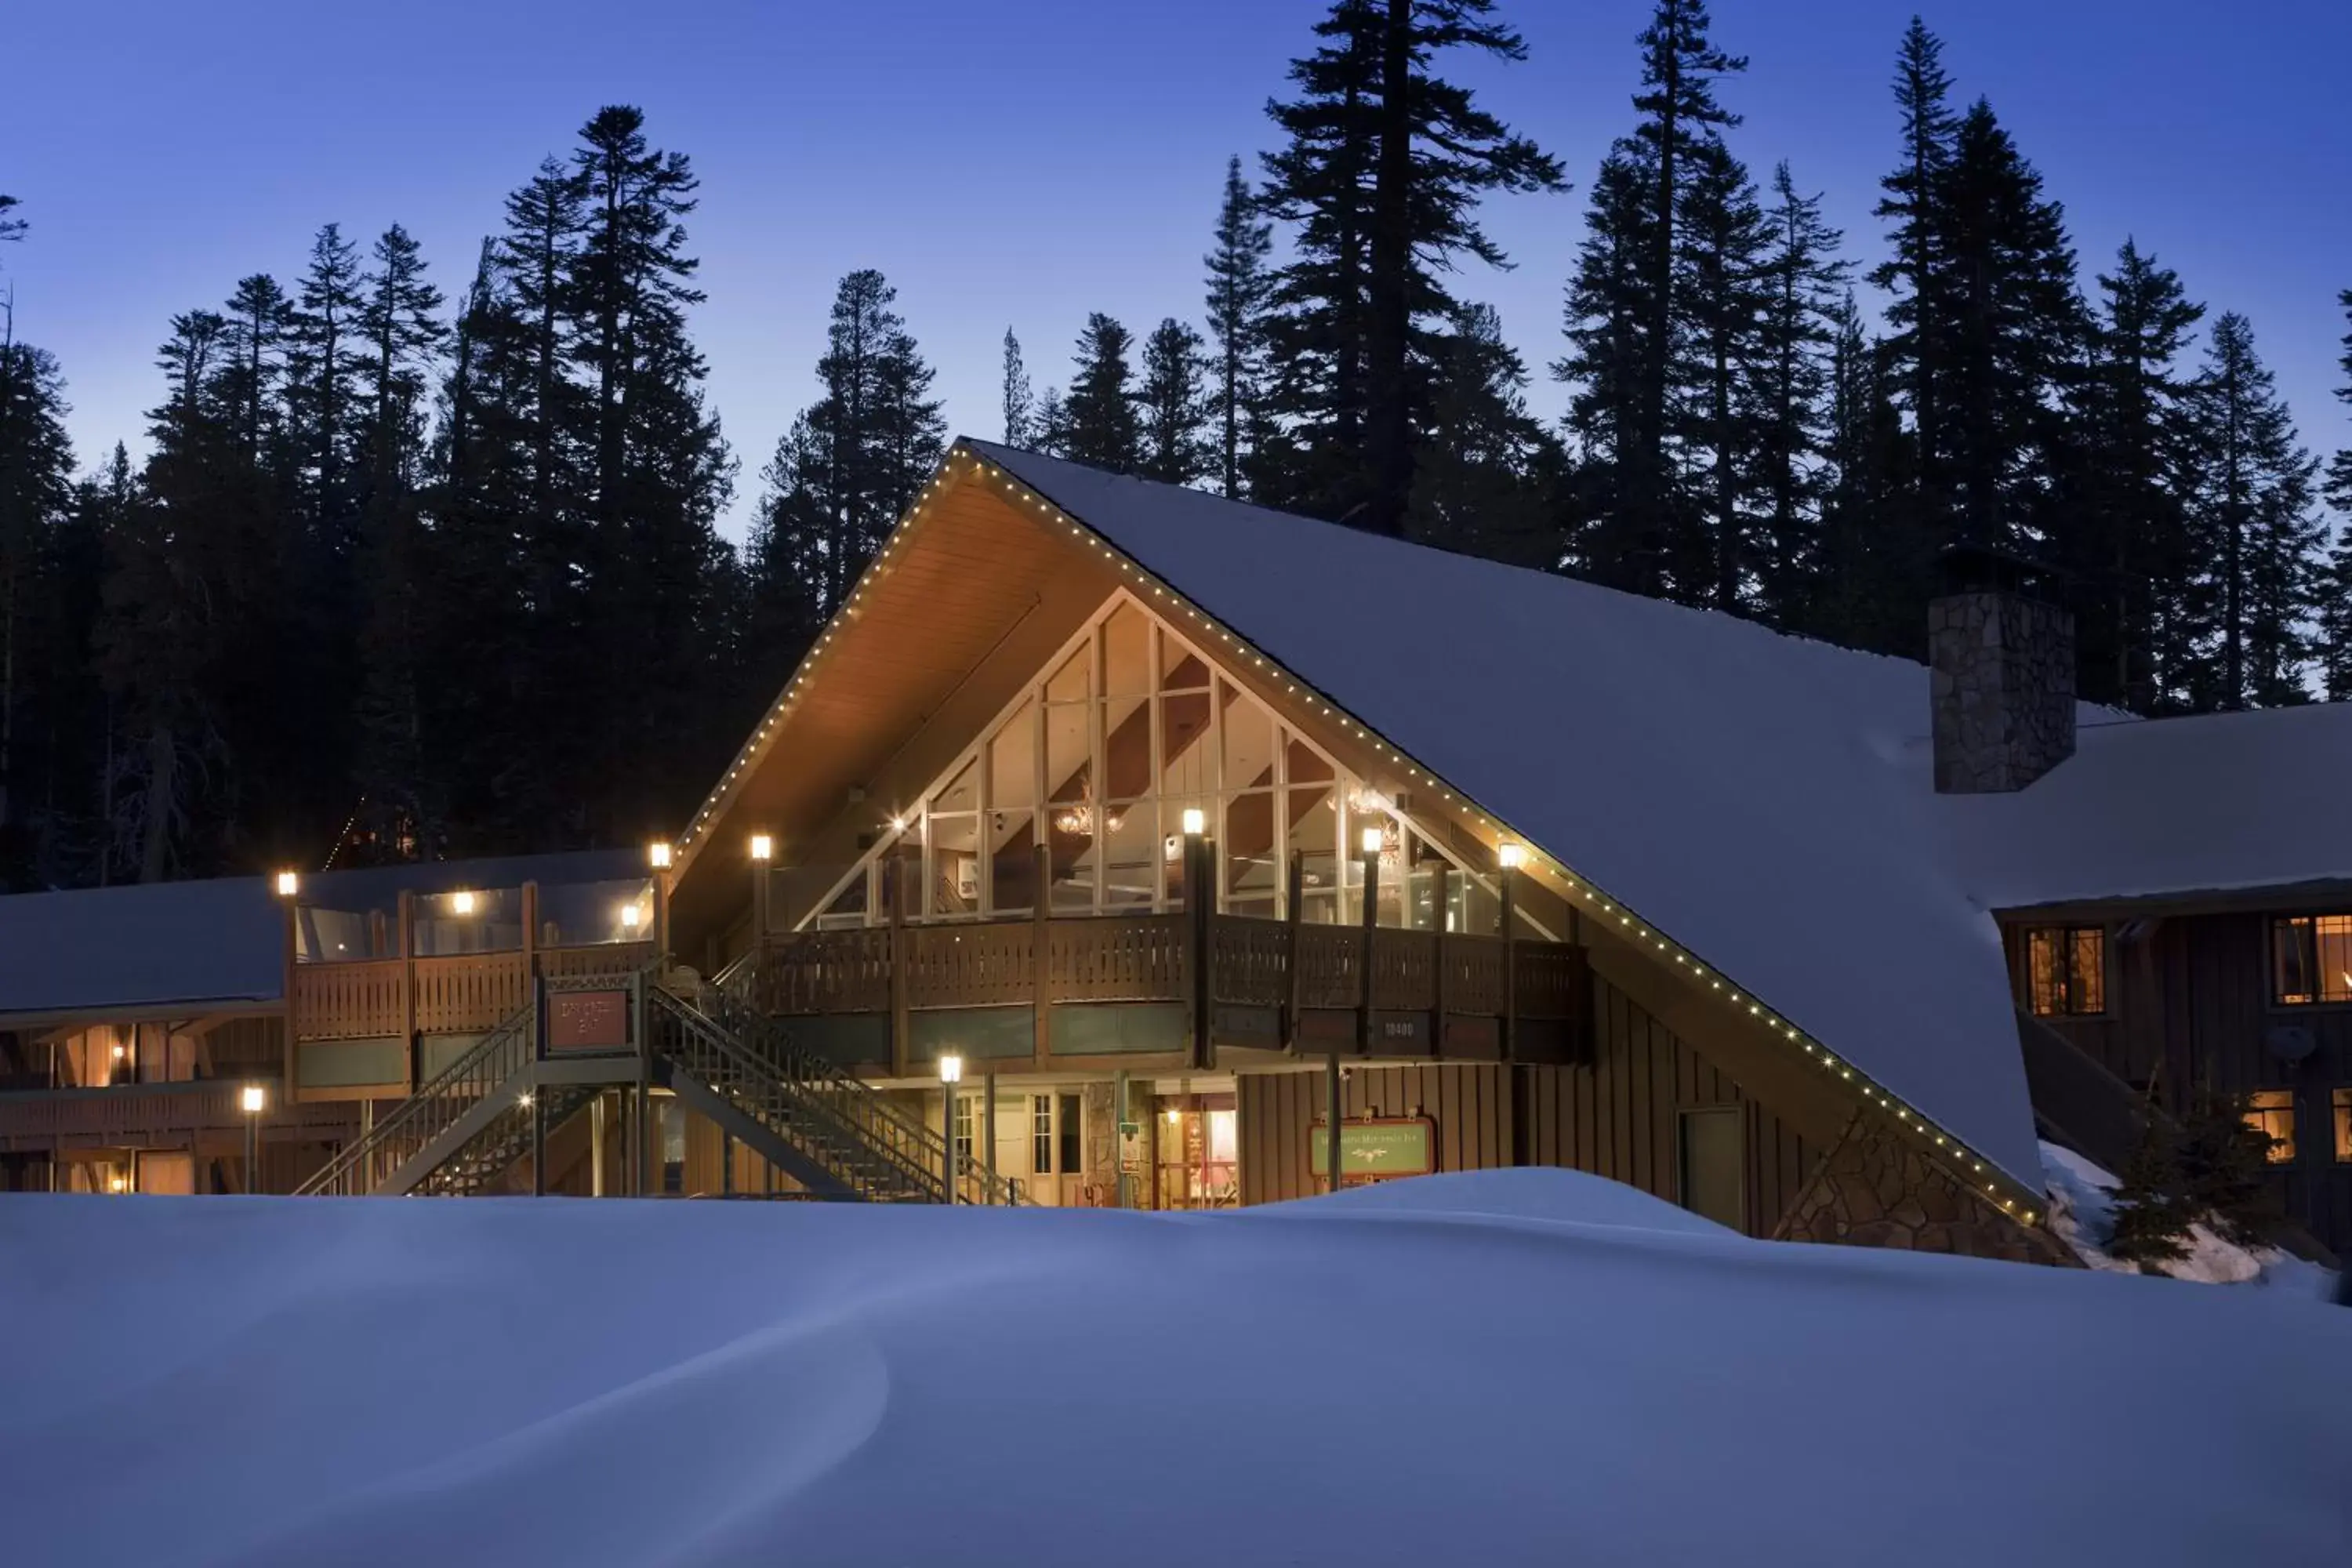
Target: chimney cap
1983	568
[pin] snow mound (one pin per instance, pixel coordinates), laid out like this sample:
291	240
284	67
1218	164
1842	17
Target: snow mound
1533	1193
1372	1380
2082	1215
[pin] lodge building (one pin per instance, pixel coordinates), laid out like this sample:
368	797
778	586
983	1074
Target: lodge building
1114	836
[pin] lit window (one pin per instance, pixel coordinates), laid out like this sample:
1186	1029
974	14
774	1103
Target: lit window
963	1107
2344	1126
1041	1134
2067	971
2312	959
2271	1111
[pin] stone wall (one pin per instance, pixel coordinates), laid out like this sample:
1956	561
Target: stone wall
2001	685
1874	1189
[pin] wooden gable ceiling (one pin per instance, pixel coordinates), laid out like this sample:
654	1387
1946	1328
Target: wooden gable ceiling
970	586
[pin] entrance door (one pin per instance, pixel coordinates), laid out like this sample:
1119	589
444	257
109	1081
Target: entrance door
1198	1159
1714	1164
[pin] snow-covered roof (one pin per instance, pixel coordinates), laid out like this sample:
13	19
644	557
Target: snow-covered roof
220	942
2216	803
1740	790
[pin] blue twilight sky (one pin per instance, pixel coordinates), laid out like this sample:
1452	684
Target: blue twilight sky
1024	162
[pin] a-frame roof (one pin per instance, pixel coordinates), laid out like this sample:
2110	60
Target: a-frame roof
1741	793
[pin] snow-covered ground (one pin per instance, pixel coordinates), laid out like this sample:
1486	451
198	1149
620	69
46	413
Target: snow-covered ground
1513	1367
2082	1215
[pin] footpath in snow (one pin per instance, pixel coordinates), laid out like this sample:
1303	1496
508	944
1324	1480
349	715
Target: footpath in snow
1510	1367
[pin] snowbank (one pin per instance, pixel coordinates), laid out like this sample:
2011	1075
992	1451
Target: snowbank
1522	1371
2082	1215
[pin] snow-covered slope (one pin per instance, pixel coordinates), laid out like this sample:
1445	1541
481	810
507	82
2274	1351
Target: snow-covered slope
1520	1369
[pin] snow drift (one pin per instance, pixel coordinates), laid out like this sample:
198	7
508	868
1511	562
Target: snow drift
1513	1367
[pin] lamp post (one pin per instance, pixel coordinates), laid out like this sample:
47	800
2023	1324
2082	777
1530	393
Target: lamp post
253	1099
951	1075
1510	857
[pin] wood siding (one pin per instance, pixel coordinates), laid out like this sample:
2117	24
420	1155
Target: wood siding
2189	1002
1616	1117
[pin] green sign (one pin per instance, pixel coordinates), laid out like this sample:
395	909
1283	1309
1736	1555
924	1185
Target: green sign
1401	1148
1130	1129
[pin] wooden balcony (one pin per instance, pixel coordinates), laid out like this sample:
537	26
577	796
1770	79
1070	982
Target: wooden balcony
1239	983
208	1111
461	993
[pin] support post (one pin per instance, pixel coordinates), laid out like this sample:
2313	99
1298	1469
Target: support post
1294	915
1438	915
538	1054
983	1136
661	918
529	932
252	1151
596	1136
955	1161
404	941
1119	1137
901	1016
1372	918
1332	1123
1041	978
1200	904
1506	880
637	1152
726	1163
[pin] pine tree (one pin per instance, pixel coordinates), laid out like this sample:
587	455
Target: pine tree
1676	145
1051	431
1381	172
1239	282
1101	426
1490	474
2252	513
1715	418
873	436
1616	543
11	229
2223	1163
1918	274
1019	404
36	488
324	345
1802	282
1874	545
2133	557
1175	407
2336	604
260	316
2151	1218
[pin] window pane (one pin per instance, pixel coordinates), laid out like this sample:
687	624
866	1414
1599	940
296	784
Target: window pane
1248	741
1181	670
2271	1112
848	906
1314	838
1130	851
1072	1161
1425	872
2343	1101
1186	766
1069	777
1013	760
1072	830
1127	747
1041	1134
1074	681
1307	765
2291	948
2041	978
955	866
961	793
2088	971
2333	939
1127	653
1253	871
1012	862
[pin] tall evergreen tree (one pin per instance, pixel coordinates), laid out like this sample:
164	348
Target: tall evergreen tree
36	490
325	348
1616	543
1488	479
1382	166
1801	284
1175	405
2132	556
1239	270
1917	273
1101	424
2335	605
2252	513
1019	404
1715	417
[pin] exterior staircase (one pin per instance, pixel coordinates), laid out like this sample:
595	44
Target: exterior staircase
463	1132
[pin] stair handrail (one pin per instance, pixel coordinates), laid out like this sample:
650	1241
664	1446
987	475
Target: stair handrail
862	1106
852	1105
425	1115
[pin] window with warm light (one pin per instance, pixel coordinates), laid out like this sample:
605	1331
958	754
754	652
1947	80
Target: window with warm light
2271	1111
2342	1099
2310	959
1125	734
2067	971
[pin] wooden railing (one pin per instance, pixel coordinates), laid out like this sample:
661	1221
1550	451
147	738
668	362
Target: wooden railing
1249	961
96	1117
1117	958
350	1001
613	958
825	971
970	965
466	992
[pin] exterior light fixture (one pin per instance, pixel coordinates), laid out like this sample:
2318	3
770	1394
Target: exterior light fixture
950	1069
253	1099
897	825
1512	856
116	1183
1371	840
1175	1117
763	847
288	884
952	1074
658	855
461	903
631	917
1196	822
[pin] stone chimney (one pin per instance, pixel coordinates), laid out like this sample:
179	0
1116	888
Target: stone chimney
2000	665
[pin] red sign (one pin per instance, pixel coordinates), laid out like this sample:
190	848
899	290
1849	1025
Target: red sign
588	1021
